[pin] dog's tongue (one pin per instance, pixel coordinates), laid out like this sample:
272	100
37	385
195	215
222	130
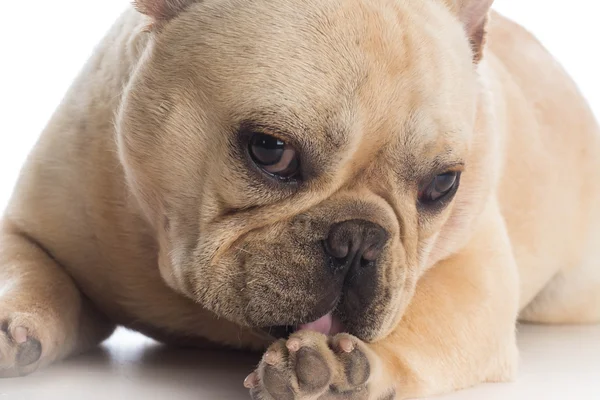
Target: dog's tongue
327	325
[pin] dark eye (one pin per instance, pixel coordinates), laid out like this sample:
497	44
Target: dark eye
274	156
439	188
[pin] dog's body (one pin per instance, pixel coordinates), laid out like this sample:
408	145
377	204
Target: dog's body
92	217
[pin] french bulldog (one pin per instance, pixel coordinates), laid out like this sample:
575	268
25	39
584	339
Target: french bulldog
373	192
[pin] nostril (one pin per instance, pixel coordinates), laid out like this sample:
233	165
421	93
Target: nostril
337	264
364	263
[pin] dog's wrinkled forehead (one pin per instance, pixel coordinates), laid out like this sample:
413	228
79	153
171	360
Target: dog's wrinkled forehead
274	64
335	66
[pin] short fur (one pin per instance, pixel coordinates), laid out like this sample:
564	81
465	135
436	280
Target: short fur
139	205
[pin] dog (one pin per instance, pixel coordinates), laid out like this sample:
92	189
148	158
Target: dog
372	192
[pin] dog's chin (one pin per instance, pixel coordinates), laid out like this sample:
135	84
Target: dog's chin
329	325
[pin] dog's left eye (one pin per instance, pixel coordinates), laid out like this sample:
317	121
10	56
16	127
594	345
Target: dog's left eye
274	156
440	188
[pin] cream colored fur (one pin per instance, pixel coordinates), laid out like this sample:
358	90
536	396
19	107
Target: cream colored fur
128	210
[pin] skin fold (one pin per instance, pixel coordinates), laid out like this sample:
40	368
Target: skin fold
143	203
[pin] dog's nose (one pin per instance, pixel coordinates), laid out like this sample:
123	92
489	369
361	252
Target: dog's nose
354	243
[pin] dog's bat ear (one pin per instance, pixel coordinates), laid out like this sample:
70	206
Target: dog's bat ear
474	15
162	10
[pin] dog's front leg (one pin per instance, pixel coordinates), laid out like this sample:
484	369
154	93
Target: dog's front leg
459	331
43	315
460	327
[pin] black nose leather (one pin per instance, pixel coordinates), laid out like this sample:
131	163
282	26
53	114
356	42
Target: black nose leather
354	243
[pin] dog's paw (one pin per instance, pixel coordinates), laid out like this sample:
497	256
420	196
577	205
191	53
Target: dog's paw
20	349
310	365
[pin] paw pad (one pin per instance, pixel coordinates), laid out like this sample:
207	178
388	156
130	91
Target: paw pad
312	366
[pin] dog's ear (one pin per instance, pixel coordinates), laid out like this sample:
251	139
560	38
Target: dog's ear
162	10
474	15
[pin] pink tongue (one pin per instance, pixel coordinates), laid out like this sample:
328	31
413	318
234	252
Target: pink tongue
326	325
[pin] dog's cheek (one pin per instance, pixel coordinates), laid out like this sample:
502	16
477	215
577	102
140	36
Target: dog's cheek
221	287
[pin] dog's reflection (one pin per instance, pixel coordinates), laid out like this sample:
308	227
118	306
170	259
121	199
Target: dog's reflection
187	370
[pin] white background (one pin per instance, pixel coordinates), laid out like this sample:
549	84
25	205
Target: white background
44	43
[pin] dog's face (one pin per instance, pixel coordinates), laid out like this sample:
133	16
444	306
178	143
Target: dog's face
301	160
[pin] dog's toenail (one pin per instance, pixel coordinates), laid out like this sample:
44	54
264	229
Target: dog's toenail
20	334
251	381
271	358
346	345
293	345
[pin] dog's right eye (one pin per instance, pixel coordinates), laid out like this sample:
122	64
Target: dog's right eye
274	156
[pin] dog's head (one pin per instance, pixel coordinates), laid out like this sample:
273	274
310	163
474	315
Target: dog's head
300	159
